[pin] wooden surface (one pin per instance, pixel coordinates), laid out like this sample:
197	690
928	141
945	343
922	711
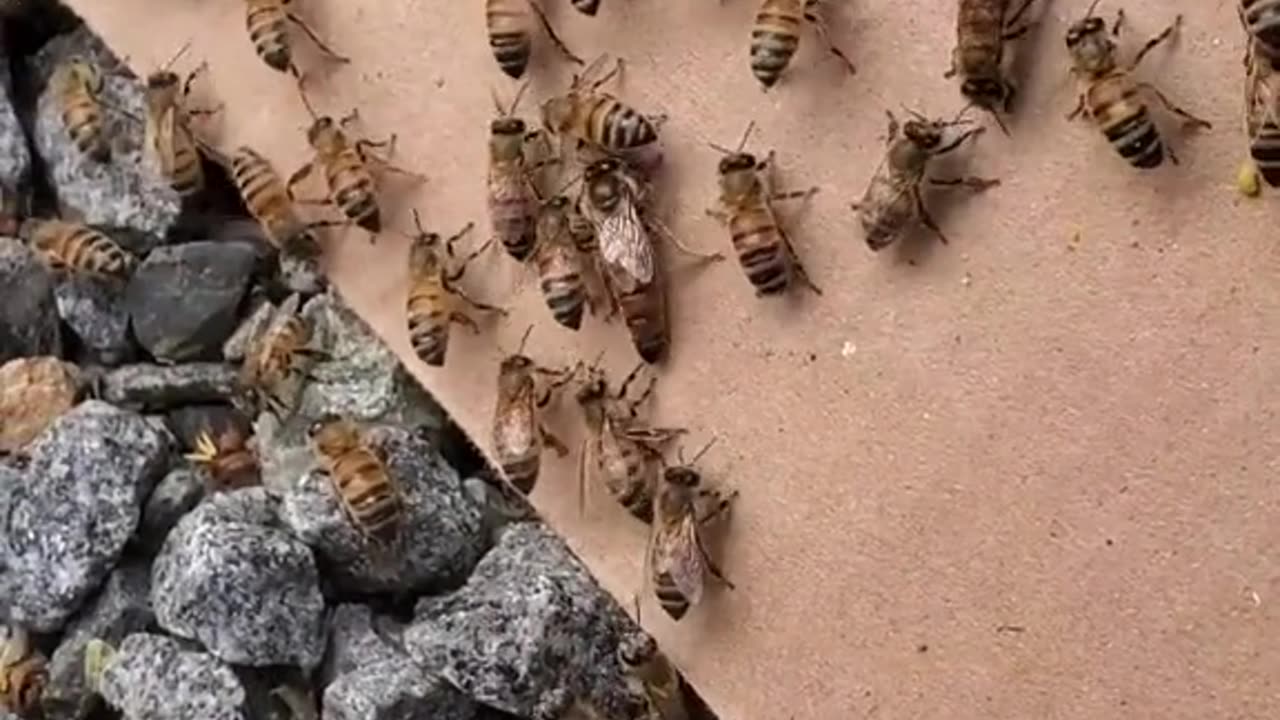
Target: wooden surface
1027	475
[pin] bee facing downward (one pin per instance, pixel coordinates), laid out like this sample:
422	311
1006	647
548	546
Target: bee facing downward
510	27
76	84
360	479
512	196
596	118
268	202
653	676
894	198
561	270
267	23
746	198
168	131
278	356
776	35
983	28
518	433
1111	97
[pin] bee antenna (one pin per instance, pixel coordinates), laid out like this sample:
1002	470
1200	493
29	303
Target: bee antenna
519	94
701	452
1092	7
181	51
720	148
523	339
497	104
307	104
915	115
743	142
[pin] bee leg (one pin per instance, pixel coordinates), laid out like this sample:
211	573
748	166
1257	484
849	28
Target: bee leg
297	177
553	442
720	504
551	33
801	274
714	569
1155	41
794	194
718	214
296	20
453	240
975	184
965	136
675	242
1079	109
1120	18
820	27
626	385
1188	119
1012	33
922	212
464	320
892	133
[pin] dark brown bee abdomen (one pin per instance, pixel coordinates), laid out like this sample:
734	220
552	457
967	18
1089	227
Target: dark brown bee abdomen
774	39
761	251
566	298
980	36
615	126
646	315
265	21
1136	138
188	174
353	192
1262	17
669	596
1265	150
258	183
428	324
361	481
83	118
509	39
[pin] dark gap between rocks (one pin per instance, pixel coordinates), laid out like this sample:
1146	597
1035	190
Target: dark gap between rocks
214	586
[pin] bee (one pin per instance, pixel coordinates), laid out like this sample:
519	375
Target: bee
67	246
982	29
1261	18
1110	95
279	355
746	197
776	35
347	168
653	676
893	199
587	7
266	21
431	307
597	118
1261	124
230	460
360	479
560	267
512	196
267	200
620	447
168	128
76	84
518	433
677	557
23	673
510	28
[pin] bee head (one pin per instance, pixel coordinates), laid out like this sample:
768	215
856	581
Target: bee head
508	126
636	650
316	428
985	92
601	168
422	250
1083	29
682	476
162	79
517	364
923	134
320	129
736	162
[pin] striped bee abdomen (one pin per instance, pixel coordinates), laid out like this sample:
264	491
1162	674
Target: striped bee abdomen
566	298
619	127
761	251
265	21
1136	138
1262	17
509	37
587	7
774	39
522	472
669	596
1264	148
363	485
428	326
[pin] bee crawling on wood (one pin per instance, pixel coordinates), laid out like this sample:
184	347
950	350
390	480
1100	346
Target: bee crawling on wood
432	304
746	197
267	23
677	556
268	201
894	198
775	36
598	119
562	270
75	248
983	28
510	27
77	85
512	196
1110	95
653	676
1261	19
518	433
228	457
23	673
347	167
280	355
1262	126
169	136
367	492
620	449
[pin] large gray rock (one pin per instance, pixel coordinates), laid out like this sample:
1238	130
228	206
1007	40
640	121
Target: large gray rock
529	632
15	158
28	310
94	309
440	532
153	677
122	608
233	578
159	387
183	298
357	637
77	505
124	194
394	690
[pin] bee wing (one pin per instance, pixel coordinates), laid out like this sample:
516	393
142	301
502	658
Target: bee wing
1260	100
677	553
515	428
625	248
162	138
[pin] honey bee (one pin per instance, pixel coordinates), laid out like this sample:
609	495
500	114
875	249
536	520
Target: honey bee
431	307
510	27
347	168
280	354
512	196
982	29
23	673
597	118
587	7
67	246
1111	97
76	84
776	35
1261	124
360	479
518	433
268	202
653	676
230	461
893	199
560	267
622	449
266	21
678	559
746	197
168	128
1261	19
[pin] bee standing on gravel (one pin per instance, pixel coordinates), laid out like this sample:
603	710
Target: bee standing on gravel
776	35
619	448
561	271
279	355
1261	124
518	434
347	169
76	85
983	27
369	497
894	199
652	675
229	459
512	198
23	673
267	23
1261	19
432	304
1110	95
268	202
597	118
678	557
71	247
168	130
746	198
510	26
